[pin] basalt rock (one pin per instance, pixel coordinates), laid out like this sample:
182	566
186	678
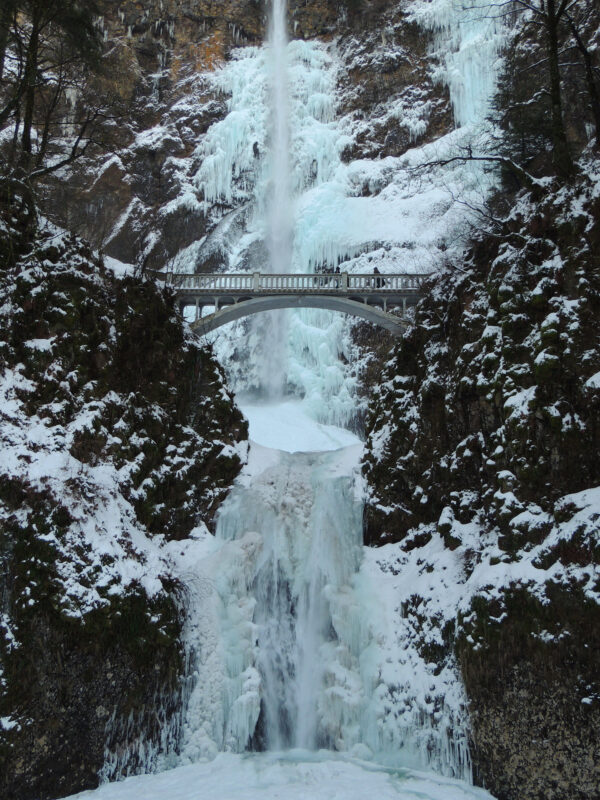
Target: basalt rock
159	59
485	432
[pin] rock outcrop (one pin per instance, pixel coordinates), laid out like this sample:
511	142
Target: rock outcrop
158	64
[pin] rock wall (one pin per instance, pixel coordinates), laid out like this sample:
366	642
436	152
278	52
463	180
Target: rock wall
159	58
484	435
118	435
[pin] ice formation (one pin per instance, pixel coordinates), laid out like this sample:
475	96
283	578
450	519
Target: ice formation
295	632
362	214
298	631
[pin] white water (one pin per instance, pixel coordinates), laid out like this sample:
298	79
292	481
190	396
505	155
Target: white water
280	214
271	329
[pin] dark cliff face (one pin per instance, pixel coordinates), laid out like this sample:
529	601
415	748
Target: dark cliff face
115	427
488	420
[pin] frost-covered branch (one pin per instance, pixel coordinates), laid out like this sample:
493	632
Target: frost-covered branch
525	179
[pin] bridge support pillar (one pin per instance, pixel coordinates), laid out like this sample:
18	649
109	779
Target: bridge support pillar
216	304
198	309
404	306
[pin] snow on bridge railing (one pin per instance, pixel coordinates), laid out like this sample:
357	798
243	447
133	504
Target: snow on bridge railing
277	283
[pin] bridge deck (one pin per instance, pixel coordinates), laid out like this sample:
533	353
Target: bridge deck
261	284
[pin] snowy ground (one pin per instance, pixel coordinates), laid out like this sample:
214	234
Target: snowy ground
296	775
286	426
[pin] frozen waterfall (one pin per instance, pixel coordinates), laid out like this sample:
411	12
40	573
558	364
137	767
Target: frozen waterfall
299	630
295	633
295	627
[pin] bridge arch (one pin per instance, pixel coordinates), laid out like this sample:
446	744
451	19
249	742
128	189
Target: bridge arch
235	296
247	307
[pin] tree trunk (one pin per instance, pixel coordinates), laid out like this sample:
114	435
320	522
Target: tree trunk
30	80
561	156
6	15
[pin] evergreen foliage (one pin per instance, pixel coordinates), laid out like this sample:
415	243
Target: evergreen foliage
548	95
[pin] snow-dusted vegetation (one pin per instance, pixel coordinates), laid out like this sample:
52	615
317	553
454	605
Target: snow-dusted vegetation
118	435
502	365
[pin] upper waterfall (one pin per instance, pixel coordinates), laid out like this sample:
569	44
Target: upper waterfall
271	354
280	213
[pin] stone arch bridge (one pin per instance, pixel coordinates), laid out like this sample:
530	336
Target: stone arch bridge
234	296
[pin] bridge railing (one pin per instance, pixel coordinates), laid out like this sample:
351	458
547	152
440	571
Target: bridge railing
218	283
385	282
278	283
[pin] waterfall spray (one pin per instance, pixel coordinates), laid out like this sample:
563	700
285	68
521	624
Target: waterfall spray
273	357
280	211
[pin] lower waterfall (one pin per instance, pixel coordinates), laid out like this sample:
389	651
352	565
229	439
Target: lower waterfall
310	532
294	630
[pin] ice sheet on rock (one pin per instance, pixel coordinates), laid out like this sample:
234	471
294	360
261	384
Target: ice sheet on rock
468	40
222	699
416	712
297	627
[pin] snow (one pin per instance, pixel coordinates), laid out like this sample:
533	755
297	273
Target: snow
594	381
287	426
118	267
296	775
37	452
